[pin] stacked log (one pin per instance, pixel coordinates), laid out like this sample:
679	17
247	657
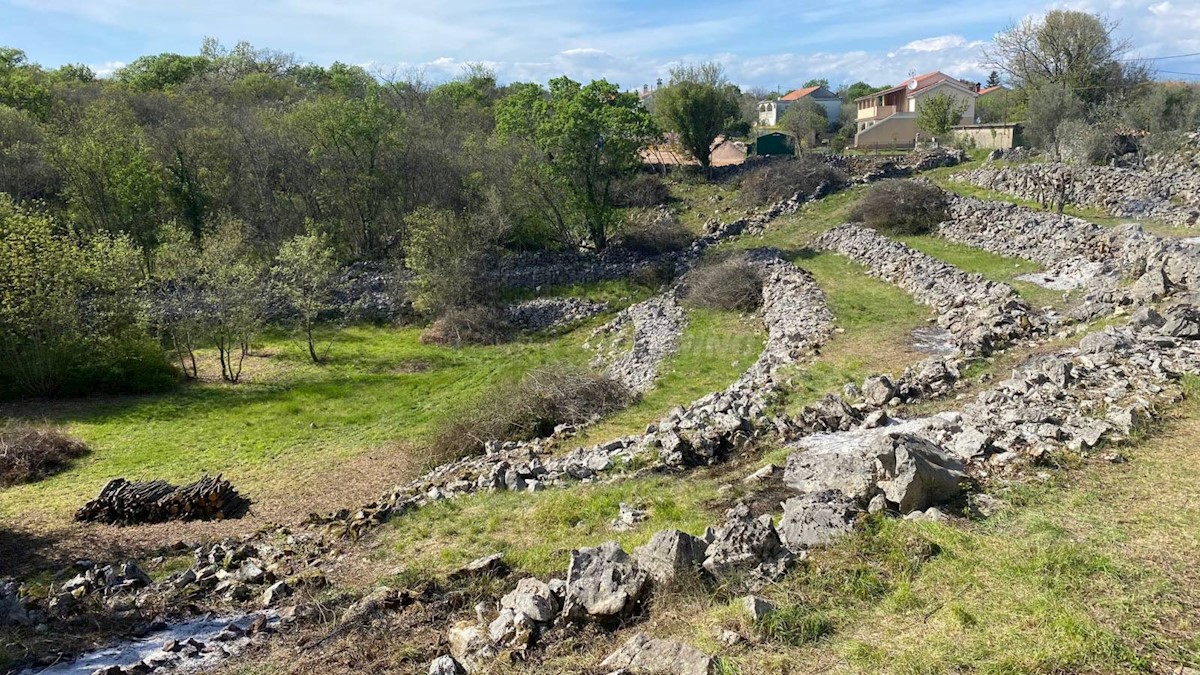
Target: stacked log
123	502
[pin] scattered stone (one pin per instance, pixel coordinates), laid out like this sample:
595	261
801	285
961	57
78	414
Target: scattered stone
817	519
757	608
534	599
641	654
671	555
746	549
603	584
445	665
471	647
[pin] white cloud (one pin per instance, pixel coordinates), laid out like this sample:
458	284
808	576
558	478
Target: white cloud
107	68
935	44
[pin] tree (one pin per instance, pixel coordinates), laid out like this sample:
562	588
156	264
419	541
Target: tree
109	179
1073	50
74	72
450	254
858	90
589	136
162	72
939	112
232	284
699	105
807	120
993	79
305	275
822	82
21	83
1049	106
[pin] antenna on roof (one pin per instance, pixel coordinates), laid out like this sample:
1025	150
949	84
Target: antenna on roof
911	72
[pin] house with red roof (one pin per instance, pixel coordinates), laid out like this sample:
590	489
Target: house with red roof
888	118
770	113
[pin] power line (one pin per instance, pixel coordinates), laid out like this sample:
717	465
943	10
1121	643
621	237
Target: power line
1176	72
1163	58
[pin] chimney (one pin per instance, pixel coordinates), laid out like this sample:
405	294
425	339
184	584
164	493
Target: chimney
645	89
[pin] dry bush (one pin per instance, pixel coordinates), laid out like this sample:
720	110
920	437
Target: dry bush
653	232
469	326
778	180
728	283
28	454
643	190
901	206
654	275
530	408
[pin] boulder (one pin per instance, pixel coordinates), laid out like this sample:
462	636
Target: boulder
757	608
914	473
532	598
470	646
746	547
512	629
878	390
1183	321
603	584
847	469
670	555
642	654
817	519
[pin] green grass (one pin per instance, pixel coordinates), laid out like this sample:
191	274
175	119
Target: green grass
990	265
536	531
876	320
715	349
697	202
288	417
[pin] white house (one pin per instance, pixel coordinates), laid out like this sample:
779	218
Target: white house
770	113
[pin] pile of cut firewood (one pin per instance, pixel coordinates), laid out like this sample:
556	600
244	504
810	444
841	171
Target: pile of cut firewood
123	502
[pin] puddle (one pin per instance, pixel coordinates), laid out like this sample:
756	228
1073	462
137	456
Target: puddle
1066	275
211	642
933	340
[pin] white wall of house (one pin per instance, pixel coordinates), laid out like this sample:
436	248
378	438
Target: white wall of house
955	91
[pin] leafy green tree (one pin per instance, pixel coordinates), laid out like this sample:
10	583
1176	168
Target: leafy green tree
699	104
939	112
821	82
162	71
858	90
305	274
74	72
110	181
71	321
232	288
25	169
807	120
589	136
22	84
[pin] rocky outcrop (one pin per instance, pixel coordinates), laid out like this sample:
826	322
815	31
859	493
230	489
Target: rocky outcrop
603	584
1123	192
982	315
746	550
671	556
633	346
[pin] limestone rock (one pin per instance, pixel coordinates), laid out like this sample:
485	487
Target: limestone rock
534	599
817	519
642	654
470	646
746	547
915	473
603	584
670	555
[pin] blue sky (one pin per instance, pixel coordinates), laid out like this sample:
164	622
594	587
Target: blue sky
761	42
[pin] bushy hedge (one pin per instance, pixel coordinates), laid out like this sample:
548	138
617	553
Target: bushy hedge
71	317
653	232
460	326
901	206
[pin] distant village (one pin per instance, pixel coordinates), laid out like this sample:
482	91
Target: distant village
861	117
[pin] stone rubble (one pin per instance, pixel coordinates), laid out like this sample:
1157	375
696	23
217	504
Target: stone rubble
633	346
542	314
1123	192
641	655
982	315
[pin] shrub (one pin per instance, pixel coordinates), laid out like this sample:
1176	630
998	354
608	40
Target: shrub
728	283
1083	143
529	408
901	206
642	190
71	318
28	454
469	326
778	180
654	275
655	232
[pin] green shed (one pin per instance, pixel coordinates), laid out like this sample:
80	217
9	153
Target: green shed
773	143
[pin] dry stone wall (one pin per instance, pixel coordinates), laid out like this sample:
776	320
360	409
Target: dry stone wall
1123	192
982	315
633	346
